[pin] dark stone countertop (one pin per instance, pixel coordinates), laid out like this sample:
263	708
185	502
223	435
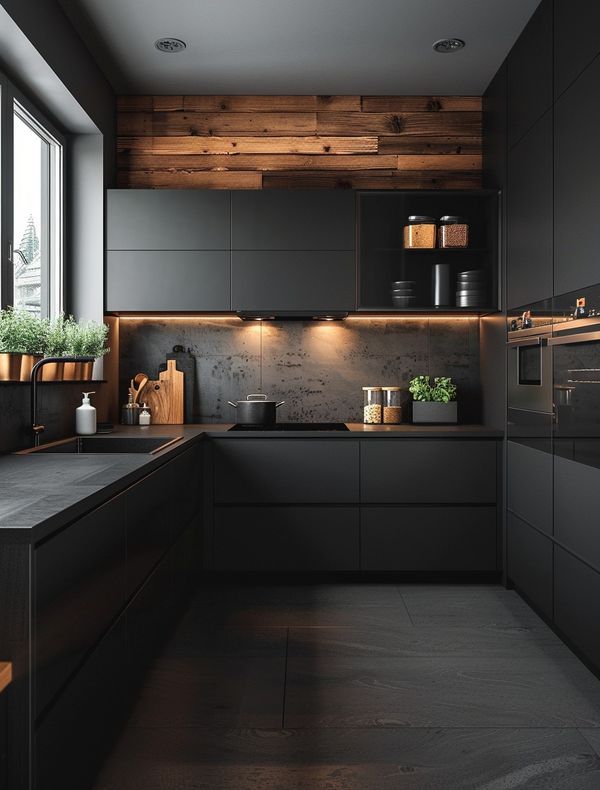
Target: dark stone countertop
42	492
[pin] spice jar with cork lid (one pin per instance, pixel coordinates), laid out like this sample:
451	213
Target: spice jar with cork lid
453	232
392	407
420	232
372	405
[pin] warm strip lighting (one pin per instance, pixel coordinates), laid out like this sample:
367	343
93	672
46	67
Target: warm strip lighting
146	317
414	317
233	317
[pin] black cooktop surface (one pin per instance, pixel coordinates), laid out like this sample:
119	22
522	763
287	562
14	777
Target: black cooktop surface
293	426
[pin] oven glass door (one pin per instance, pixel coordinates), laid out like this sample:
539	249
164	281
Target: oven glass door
530	375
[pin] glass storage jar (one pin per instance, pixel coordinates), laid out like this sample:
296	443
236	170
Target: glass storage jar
372	405
453	232
392	408
420	232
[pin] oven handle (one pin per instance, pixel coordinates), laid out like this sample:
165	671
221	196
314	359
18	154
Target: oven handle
584	337
532	341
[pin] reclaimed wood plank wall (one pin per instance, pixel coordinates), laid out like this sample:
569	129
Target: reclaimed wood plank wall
256	142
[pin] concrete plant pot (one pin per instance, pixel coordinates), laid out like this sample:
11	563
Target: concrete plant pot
434	412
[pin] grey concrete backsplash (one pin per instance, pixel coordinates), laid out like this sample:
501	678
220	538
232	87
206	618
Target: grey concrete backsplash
318	368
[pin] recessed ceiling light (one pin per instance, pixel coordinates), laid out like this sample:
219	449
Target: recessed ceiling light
446	45
170	45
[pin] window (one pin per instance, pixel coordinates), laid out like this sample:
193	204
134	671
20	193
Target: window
32	208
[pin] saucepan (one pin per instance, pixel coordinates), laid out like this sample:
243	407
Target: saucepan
256	409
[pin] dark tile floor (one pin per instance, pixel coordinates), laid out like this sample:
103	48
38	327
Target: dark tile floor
361	688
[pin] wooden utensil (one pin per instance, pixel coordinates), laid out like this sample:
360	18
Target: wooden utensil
138	383
165	396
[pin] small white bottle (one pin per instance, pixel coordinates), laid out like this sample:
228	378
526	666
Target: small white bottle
145	415
85	416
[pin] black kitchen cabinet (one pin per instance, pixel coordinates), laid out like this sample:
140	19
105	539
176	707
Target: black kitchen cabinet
576	593
530	216
262	471
172	280
293	280
428	471
576	503
167	219
74	607
4	740
293	220
576	42
529	563
286	538
576	177
529	476
530	65
428	539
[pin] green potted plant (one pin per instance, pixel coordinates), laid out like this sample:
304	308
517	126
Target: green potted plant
56	343
433	403
22	343
85	339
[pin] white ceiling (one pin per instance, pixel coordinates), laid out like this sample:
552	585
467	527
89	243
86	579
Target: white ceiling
300	46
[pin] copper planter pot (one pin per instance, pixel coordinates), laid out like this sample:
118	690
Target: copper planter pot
27	363
53	371
10	366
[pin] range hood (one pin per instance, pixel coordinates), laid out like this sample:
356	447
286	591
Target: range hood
291	315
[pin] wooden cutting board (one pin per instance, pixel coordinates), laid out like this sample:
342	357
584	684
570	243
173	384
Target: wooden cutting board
165	396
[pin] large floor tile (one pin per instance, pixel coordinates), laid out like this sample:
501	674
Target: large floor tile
232	692
410	759
350	691
193	637
299	595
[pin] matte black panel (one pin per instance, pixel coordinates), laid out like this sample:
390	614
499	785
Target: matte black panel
286	538
80	586
530	73
428	471
576	178
529	562
529	485
167	219
172	280
285	470
147	620
529	216
287	280
576	508
576	41
428	539
576	594
292	219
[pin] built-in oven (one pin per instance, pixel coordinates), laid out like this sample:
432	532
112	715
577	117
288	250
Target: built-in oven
529	369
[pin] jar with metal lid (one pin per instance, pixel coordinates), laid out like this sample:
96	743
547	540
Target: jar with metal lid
372	405
392	407
453	232
420	232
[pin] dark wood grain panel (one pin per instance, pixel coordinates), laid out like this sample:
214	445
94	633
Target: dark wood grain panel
186	179
420	103
453	144
195	123
365	180
275	162
162	146
418	123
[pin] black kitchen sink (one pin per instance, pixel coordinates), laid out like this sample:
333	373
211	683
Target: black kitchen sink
106	444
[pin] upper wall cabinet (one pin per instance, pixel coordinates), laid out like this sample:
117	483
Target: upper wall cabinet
530	91
576	39
529	216
293	220
167	219
576	179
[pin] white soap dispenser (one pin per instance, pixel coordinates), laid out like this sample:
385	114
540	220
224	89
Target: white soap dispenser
85	416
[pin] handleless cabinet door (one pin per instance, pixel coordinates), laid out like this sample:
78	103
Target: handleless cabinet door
293	220
167	219
530	68
576	508
293	281
576	41
529	562
171	280
576	596
576	178
529	216
529	485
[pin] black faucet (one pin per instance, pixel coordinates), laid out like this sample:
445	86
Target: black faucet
38	429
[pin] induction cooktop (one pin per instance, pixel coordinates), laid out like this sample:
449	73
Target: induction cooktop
293	426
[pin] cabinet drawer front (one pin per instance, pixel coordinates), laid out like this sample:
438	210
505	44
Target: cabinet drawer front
293	220
170	280
167	219
428	539
286	539
286	470
186	504
293	280
529	562
79	587
428	471
576	596
576	505
529	485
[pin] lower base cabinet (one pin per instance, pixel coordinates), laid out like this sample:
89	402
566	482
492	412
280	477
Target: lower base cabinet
428	539
529	563
302	538
576	593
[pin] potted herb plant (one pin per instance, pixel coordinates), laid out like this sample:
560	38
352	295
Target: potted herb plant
22	343
56	343
433	403
87	339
